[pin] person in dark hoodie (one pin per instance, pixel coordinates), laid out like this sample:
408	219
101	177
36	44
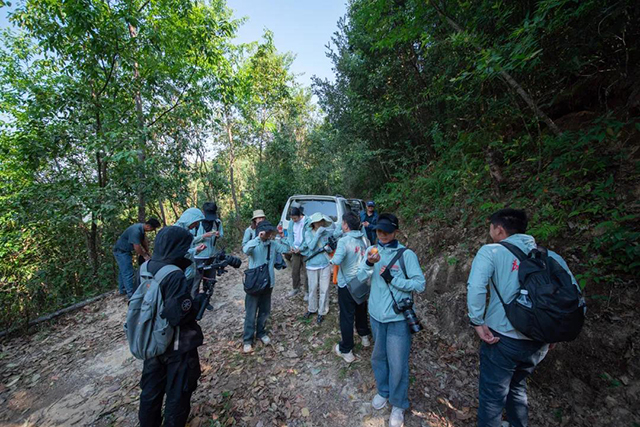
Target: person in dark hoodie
176	372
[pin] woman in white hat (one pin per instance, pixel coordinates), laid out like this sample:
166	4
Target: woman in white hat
250	232
318	267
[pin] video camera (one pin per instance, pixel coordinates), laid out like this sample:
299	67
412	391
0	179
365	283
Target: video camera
209	269
331	246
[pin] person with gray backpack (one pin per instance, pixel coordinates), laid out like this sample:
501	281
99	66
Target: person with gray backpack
535	301
162	330
353	303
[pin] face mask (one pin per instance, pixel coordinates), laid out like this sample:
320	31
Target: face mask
183	263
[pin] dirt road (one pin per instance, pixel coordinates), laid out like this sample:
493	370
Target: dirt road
79	372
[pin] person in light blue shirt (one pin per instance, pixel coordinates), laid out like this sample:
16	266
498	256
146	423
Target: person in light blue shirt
296	230
318	267
391	333
348	256
209	232
507	357
190	221
261	250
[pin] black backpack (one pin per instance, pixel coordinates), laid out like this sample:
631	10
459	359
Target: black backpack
557	307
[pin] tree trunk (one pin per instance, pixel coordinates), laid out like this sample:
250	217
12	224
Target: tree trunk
162	214
141	134
509	79
231	178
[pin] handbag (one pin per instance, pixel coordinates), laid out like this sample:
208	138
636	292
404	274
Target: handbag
257	280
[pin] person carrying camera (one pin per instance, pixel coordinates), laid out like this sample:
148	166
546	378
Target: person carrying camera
190	220
209	231
261	251
317	264
349	253
395	273
175	373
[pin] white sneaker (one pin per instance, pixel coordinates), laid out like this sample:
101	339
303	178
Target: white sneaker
397	417
378	402
293	293
265	340
348	357
366	342
247	348
306	297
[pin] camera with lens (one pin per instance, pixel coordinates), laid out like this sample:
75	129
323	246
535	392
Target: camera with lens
405	307
209	269
332	244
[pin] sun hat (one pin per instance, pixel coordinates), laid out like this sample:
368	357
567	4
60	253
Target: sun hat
387	223
259	213
318	216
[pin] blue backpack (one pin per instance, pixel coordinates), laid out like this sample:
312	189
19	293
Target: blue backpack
148	334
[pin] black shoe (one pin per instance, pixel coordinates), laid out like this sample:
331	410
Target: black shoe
308	315
320	317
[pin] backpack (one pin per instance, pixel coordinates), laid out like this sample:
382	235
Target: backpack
554	311
148	334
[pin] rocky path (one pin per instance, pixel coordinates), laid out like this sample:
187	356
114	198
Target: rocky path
79	372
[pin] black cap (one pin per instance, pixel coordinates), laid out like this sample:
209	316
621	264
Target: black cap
387	223
265	226
210	211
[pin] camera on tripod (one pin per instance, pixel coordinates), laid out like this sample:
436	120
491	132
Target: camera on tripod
209	269
405	306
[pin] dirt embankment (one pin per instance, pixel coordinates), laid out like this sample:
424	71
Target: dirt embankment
79	372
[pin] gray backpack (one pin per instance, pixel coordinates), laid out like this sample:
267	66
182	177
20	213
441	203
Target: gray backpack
148	334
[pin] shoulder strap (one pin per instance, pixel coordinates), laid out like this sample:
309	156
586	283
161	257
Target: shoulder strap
164	272
144	272
515	250
268	253
398	256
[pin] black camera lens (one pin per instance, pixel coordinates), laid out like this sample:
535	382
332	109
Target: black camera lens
412	320
233	261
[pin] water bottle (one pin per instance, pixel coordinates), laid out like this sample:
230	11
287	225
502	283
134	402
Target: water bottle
523	299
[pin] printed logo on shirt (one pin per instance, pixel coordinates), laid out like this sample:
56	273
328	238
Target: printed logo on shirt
515	266
186	305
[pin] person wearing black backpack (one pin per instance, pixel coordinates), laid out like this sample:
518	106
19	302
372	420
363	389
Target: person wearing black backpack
525	280
175	373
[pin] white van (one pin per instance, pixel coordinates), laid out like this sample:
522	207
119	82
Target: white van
332	206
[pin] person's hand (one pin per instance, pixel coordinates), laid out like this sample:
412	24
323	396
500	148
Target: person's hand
485	334
385	273
366	223
201	247
295	250
262	235
373	257
321	230
146	257
208	234
217	234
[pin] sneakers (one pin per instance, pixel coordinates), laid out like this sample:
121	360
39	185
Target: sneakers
306	296
366	342
265	340
292	293
247	348
308	315
348	357
378	402
320	319
397	417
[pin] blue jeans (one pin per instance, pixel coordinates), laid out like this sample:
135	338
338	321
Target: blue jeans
256	306
125	272
504	368
390	360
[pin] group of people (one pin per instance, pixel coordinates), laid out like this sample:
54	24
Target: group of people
392	273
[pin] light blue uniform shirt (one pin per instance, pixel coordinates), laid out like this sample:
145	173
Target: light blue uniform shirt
494	261
258	250
380	302
190	216
249	234
314	241
349	253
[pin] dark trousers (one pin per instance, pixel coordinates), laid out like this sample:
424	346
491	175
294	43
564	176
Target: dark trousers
504	368
256	307
176	378
298	271
348	310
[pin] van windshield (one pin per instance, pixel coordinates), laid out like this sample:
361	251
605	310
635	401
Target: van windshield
327	207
